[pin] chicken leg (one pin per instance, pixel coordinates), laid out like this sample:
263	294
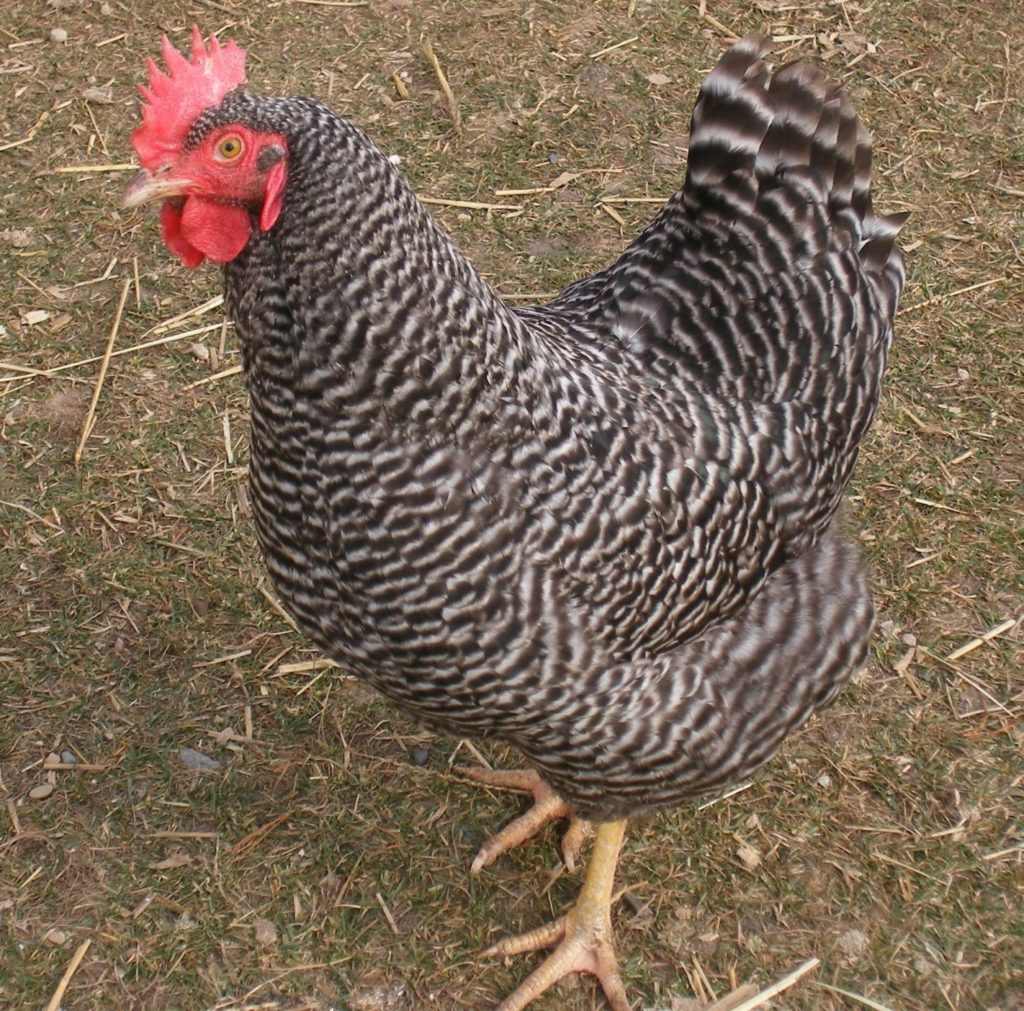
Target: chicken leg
583	937
547	806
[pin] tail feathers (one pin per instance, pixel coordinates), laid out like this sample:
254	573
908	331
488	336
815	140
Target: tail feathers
877	251
752	129
842	153
731	117
796	93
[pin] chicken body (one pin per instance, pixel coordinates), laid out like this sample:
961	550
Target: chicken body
603	529
595	529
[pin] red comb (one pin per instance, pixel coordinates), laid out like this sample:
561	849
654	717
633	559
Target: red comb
173	101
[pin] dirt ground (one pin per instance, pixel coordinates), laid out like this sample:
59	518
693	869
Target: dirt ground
311	850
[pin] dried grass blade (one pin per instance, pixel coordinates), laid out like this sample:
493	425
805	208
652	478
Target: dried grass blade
76	960
232	370
435	65
90	415
857	997
993	633
760	998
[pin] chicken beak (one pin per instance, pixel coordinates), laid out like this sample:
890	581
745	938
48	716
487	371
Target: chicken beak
146	187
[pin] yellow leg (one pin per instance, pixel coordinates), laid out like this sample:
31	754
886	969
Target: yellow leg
583	936
547	806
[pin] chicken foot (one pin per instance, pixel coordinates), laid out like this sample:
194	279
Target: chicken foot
583	937
548	806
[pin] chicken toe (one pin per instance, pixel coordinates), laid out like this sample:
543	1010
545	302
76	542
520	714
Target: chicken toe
548	806
582	938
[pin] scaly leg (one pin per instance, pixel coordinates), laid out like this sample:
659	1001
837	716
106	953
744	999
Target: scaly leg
583	936
548	806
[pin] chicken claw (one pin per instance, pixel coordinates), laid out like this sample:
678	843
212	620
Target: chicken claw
548	806
583	937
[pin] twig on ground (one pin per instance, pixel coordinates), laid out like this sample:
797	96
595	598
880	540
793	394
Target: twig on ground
718	26
223	374
387	914
965	677
453	106
611	49
633	200
12	813
304	666
125	166
857	997
74	767
90	415
950	294
612	213
732	1000
760	998
725	796
45	373
256	836
472	205
76	960
993	633
138	286
33	130
181	835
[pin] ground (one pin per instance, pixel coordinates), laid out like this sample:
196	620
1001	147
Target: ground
321	859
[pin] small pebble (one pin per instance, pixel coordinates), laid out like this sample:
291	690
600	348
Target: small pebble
909	639
854	944
40	792
749	856
420	756
58	35
184	922
68	757
197	760
265	933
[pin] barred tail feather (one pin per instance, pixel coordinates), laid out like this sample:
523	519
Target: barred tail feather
755	125
768	278
730	120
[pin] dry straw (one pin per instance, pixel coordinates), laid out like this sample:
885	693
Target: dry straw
90	415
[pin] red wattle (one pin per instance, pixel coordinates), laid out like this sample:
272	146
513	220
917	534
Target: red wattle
218	231
203	229
170	223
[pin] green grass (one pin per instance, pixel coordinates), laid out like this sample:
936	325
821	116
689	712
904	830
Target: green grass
320	866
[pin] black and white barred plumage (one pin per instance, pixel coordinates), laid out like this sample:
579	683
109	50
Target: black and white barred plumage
599	529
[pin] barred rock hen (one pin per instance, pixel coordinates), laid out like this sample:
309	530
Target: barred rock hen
601	529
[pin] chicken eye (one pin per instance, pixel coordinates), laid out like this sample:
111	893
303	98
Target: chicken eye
230	147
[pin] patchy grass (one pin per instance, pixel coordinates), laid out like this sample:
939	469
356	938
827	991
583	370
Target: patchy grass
322	864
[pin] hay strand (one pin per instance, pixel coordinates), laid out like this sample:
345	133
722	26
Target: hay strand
442	80
90	415
76	961
763	996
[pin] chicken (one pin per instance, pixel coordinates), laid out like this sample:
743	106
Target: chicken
602	529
